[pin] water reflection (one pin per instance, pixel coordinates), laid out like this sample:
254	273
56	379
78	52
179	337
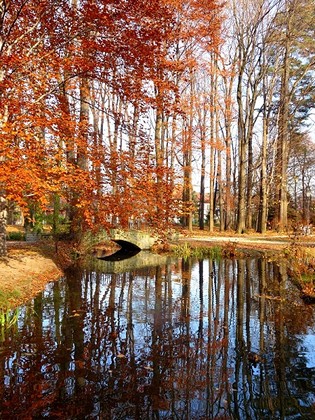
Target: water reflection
120	255
169	342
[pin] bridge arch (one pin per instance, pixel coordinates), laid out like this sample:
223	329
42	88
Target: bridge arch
127	245
135	238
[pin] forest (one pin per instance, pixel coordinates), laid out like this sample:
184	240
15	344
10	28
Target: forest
154	113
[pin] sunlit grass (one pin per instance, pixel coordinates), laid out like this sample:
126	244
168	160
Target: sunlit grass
6	297
8	319
186	251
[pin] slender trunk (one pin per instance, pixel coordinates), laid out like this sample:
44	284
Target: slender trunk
203	173
133	136
3	202
116	107
242	160
228	81
228	187
219	149
212	145
249	191
212	189
187	190
220	187
3	224
188	159
98	150
202	187
82	159
282	146
84	120
262	221
189	151
158	139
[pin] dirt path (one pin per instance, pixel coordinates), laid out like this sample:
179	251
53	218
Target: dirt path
254	241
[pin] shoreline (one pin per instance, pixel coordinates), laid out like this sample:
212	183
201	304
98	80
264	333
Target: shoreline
25	271
29	266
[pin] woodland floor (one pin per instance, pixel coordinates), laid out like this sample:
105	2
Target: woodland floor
28	267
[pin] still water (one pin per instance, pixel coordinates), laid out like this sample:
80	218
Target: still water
194	339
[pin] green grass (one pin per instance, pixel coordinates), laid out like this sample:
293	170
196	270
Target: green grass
16	236
6	298
8	319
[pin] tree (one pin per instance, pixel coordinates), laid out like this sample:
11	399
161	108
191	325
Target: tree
300	173
296	20
26	159
250	34
198	36
46	136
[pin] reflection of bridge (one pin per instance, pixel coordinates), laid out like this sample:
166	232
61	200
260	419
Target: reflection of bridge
144	259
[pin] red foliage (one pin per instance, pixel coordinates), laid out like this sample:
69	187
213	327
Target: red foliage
52	55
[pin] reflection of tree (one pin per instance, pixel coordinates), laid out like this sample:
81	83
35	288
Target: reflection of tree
224	383
289	366
239	338
157	345
279	359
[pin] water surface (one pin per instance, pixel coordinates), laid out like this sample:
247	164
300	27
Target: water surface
207	339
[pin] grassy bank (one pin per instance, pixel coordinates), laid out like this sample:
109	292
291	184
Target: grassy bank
25	272
301	267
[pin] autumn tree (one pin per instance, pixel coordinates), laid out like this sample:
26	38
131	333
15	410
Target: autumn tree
27	167
48	145
198	27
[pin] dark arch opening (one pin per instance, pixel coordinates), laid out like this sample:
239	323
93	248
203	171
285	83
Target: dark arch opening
127	250
126	246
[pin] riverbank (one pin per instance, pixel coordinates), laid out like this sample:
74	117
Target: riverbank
30	266
25	271
252	240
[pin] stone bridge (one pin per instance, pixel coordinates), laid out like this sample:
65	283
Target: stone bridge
133	238
129	239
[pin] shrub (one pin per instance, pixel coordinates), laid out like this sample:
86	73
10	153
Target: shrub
16	236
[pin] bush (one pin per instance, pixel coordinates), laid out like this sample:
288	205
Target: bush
16	236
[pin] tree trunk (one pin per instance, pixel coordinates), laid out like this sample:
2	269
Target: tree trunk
213	134
158	139
202	186
262	221
202	122
188	135
282	146
227	111
249	191
241	219
3	224
220	187
82	159
228	187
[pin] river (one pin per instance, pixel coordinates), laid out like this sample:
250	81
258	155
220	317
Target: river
161	338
